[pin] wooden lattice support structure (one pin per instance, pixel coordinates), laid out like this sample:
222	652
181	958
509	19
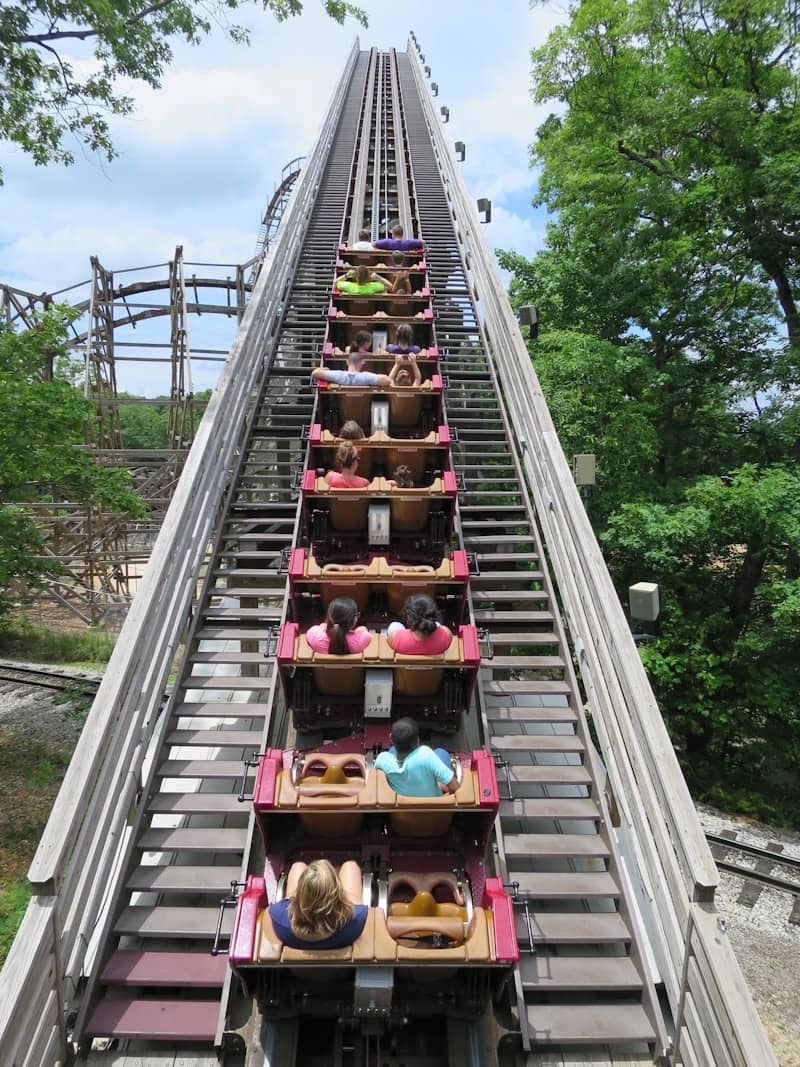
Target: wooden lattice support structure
98	556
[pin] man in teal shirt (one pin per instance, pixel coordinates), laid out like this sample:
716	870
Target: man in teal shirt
415	770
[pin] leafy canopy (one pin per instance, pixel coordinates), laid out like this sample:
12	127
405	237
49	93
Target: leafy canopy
670	347
60	61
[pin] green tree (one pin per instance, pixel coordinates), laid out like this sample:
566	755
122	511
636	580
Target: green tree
144	425
42	421
45	94
670	346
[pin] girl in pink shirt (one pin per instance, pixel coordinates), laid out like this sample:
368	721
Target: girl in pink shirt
347	461
423	634
339	634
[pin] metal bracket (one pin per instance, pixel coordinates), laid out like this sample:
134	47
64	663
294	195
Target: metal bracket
226	902
512	888
473	565
272	637
254	761
297	479
485	635
286	555
502	764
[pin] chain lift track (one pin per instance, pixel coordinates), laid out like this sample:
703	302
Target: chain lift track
149	833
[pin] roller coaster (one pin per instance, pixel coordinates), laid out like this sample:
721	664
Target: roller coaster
559	903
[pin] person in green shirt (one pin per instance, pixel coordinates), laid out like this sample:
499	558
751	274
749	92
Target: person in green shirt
361	282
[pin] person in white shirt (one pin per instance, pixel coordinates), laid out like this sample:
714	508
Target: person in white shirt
364	242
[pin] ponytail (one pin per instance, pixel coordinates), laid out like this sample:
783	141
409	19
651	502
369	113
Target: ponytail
340	620
421	614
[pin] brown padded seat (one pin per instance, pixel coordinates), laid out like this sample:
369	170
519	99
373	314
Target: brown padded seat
348	514
409	512
341	581
424	816
376	945
413	675
406	585
405	407
413	458
347	678
423	916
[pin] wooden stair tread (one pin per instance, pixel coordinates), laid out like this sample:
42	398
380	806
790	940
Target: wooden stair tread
486	616
522	661
596	1024
230	633
216	738
548	774
578	973
229	657
227	681
564	714
196	803
179	877
574	928
193	923
163	1020
524	845
565	885
550	808
200	839
221	709
144	968
537	743
180	768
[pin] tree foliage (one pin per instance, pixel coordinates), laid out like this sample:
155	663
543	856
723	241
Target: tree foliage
671	347
60	61
42	421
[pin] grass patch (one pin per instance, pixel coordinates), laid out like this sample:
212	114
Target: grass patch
13	902
20	641
30	775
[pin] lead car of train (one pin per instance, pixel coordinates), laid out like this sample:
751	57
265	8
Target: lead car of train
440	935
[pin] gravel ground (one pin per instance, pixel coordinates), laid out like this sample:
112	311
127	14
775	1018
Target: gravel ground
766	943
35	713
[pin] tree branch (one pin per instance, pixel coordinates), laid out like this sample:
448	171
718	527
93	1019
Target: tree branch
657	168
82	35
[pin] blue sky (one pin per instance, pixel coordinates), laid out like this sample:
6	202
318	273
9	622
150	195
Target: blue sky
200	157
